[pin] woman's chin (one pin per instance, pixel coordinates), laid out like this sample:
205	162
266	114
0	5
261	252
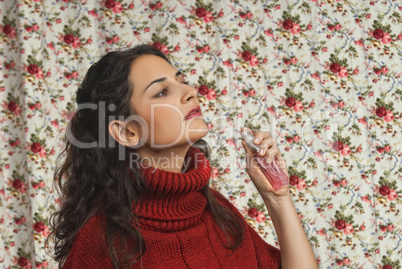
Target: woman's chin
197	129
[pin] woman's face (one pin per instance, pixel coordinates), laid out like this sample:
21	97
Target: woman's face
163	100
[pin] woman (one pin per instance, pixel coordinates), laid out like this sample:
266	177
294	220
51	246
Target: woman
134	182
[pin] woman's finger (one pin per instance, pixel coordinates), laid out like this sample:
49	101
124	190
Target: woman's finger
272	154
266	144
260	136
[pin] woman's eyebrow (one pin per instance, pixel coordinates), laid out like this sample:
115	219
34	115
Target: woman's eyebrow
161	80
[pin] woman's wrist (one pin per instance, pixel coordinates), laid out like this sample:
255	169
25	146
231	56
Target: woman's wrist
275	202
296	251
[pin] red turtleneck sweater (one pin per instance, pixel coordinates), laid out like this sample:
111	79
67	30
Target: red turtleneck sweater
177	226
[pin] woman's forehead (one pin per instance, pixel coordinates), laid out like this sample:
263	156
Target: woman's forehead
147	68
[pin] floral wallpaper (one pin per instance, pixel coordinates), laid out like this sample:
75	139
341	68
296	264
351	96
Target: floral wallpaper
323	76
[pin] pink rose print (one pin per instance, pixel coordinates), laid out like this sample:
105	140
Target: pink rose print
76	43
181	20
295	29
392	195
386	38
298	106
301	185
387	148
346	150
253	61
45	232
389	116
343	73
42	152
348	229
208	17
211	94
260	218
117	7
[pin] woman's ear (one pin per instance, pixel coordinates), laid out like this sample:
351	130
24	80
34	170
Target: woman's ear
125	134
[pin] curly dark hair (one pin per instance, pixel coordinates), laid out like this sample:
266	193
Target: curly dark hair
94	179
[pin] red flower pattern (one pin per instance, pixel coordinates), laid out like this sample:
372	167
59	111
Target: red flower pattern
248	54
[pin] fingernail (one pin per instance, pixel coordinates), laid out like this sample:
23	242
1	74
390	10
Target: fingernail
261	151
256	140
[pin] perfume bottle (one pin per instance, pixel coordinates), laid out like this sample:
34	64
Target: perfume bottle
274	174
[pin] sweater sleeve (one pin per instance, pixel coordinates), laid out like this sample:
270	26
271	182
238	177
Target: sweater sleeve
89	249
267	256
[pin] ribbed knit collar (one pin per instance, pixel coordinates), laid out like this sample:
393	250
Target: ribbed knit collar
173	201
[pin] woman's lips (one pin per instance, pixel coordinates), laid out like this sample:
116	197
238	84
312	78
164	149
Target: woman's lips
195	112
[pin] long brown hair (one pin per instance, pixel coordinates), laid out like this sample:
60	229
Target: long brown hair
94	179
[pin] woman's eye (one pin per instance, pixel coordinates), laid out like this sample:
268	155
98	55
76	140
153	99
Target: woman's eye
160	94
186	82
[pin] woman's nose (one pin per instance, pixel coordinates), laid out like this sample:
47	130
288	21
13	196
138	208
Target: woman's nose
189	93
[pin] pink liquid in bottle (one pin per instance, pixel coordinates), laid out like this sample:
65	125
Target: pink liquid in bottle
274	174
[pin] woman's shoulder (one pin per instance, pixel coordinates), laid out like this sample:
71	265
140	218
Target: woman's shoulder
92	229
89	249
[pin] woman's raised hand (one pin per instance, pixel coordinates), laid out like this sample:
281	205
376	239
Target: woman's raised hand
270	151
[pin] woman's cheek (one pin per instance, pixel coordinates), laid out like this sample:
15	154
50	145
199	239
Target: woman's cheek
166	125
